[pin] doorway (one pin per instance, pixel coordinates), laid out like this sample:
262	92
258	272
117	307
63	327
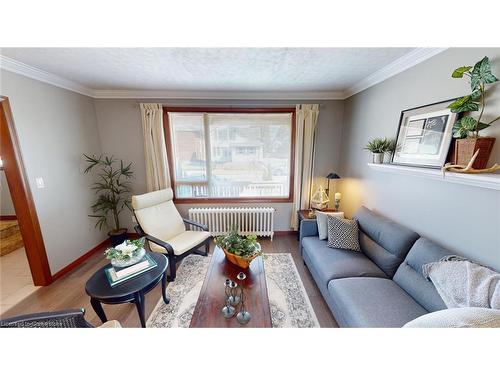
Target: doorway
26	220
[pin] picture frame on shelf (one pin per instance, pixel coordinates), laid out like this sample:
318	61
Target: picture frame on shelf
424	135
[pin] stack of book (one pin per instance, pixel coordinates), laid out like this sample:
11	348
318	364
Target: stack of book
118	275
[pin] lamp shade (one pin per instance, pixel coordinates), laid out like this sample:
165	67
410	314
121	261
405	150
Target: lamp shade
333	176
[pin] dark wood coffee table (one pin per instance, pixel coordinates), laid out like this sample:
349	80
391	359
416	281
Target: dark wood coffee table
207	313
132	290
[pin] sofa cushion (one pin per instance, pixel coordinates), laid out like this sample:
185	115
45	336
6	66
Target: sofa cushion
409	275
327	263
386	243
372	302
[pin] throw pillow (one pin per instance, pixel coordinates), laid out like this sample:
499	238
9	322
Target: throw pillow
464	317
322	221
343	233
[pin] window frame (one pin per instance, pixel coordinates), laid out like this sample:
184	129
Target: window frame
170	156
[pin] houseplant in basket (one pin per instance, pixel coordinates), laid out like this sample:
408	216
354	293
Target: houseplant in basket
467	128
240	250
112	188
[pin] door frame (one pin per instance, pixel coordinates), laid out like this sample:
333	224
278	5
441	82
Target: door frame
22	199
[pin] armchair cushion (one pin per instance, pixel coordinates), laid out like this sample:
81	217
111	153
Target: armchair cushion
182	242
157	215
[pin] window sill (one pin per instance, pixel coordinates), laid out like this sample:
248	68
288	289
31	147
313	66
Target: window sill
231	200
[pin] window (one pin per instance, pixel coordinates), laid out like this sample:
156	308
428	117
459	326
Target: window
231	154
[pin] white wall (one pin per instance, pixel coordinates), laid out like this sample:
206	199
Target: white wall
119	125
54	127
6	205
462	218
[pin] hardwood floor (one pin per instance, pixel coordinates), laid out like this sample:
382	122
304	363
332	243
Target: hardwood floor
69	291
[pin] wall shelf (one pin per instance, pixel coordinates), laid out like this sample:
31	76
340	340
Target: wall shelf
482	180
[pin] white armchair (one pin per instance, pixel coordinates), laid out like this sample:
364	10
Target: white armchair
165	229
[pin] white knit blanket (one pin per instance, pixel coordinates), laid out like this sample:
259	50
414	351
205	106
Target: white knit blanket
461	283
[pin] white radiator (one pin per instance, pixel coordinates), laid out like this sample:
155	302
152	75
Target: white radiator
247	220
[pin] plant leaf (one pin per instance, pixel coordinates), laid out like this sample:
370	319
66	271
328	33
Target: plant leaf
464	104
459	72
481	74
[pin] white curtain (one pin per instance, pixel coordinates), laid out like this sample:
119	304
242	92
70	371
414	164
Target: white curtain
305	128
157	174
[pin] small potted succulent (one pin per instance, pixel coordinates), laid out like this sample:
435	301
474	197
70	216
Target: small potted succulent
377	146
467	128
390	147
127	253
240	250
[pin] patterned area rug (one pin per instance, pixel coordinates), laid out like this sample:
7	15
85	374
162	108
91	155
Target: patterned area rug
290	306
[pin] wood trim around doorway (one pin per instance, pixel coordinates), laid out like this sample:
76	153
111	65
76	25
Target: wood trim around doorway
21	197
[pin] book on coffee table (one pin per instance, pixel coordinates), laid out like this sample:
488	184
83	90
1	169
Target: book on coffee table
117	275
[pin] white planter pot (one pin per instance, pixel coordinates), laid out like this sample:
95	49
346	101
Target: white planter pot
387	157
377	158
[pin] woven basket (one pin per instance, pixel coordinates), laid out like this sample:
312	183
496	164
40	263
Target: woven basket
242	262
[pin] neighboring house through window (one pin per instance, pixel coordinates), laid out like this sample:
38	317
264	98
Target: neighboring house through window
231	155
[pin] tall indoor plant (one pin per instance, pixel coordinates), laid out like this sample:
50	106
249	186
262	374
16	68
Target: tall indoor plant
467	128
112	188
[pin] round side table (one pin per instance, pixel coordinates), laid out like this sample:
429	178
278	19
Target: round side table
132	290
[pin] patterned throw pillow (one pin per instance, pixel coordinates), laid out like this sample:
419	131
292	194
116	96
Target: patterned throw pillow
343	233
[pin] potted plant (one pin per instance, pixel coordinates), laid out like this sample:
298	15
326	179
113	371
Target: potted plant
467	128
390	147
113	194
240	250
127	253
377	146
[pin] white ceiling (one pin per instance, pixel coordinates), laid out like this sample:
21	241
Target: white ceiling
291	70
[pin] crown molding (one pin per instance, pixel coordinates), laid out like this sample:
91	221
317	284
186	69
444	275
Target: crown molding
405	62
26	70
235	95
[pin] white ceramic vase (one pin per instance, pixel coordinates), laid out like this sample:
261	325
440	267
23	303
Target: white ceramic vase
387	157
378	157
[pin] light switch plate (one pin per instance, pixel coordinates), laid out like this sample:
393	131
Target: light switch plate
40	183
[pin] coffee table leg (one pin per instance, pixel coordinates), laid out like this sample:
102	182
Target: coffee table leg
164	287
96	305
139	303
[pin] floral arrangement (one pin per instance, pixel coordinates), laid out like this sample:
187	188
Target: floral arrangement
125	250
243	246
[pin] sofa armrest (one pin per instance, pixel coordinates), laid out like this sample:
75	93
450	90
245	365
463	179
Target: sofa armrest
308	228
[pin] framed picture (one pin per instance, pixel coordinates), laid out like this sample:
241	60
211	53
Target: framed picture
424	135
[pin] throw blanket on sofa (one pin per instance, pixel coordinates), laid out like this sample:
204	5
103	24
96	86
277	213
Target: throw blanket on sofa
461	283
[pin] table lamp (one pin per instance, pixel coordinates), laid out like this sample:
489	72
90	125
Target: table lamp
333	176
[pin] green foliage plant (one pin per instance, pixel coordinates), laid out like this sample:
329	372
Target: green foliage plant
378	145
480	77
112	188
234	243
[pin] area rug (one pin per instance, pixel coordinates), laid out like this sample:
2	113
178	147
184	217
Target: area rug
290	306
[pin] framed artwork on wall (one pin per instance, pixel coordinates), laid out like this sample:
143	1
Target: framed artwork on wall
424	135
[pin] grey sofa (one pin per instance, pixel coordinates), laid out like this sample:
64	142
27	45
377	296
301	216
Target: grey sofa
381	286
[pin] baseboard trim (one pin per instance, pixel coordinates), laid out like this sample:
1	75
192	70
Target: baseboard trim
70	267
99	247
8	217
284	232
